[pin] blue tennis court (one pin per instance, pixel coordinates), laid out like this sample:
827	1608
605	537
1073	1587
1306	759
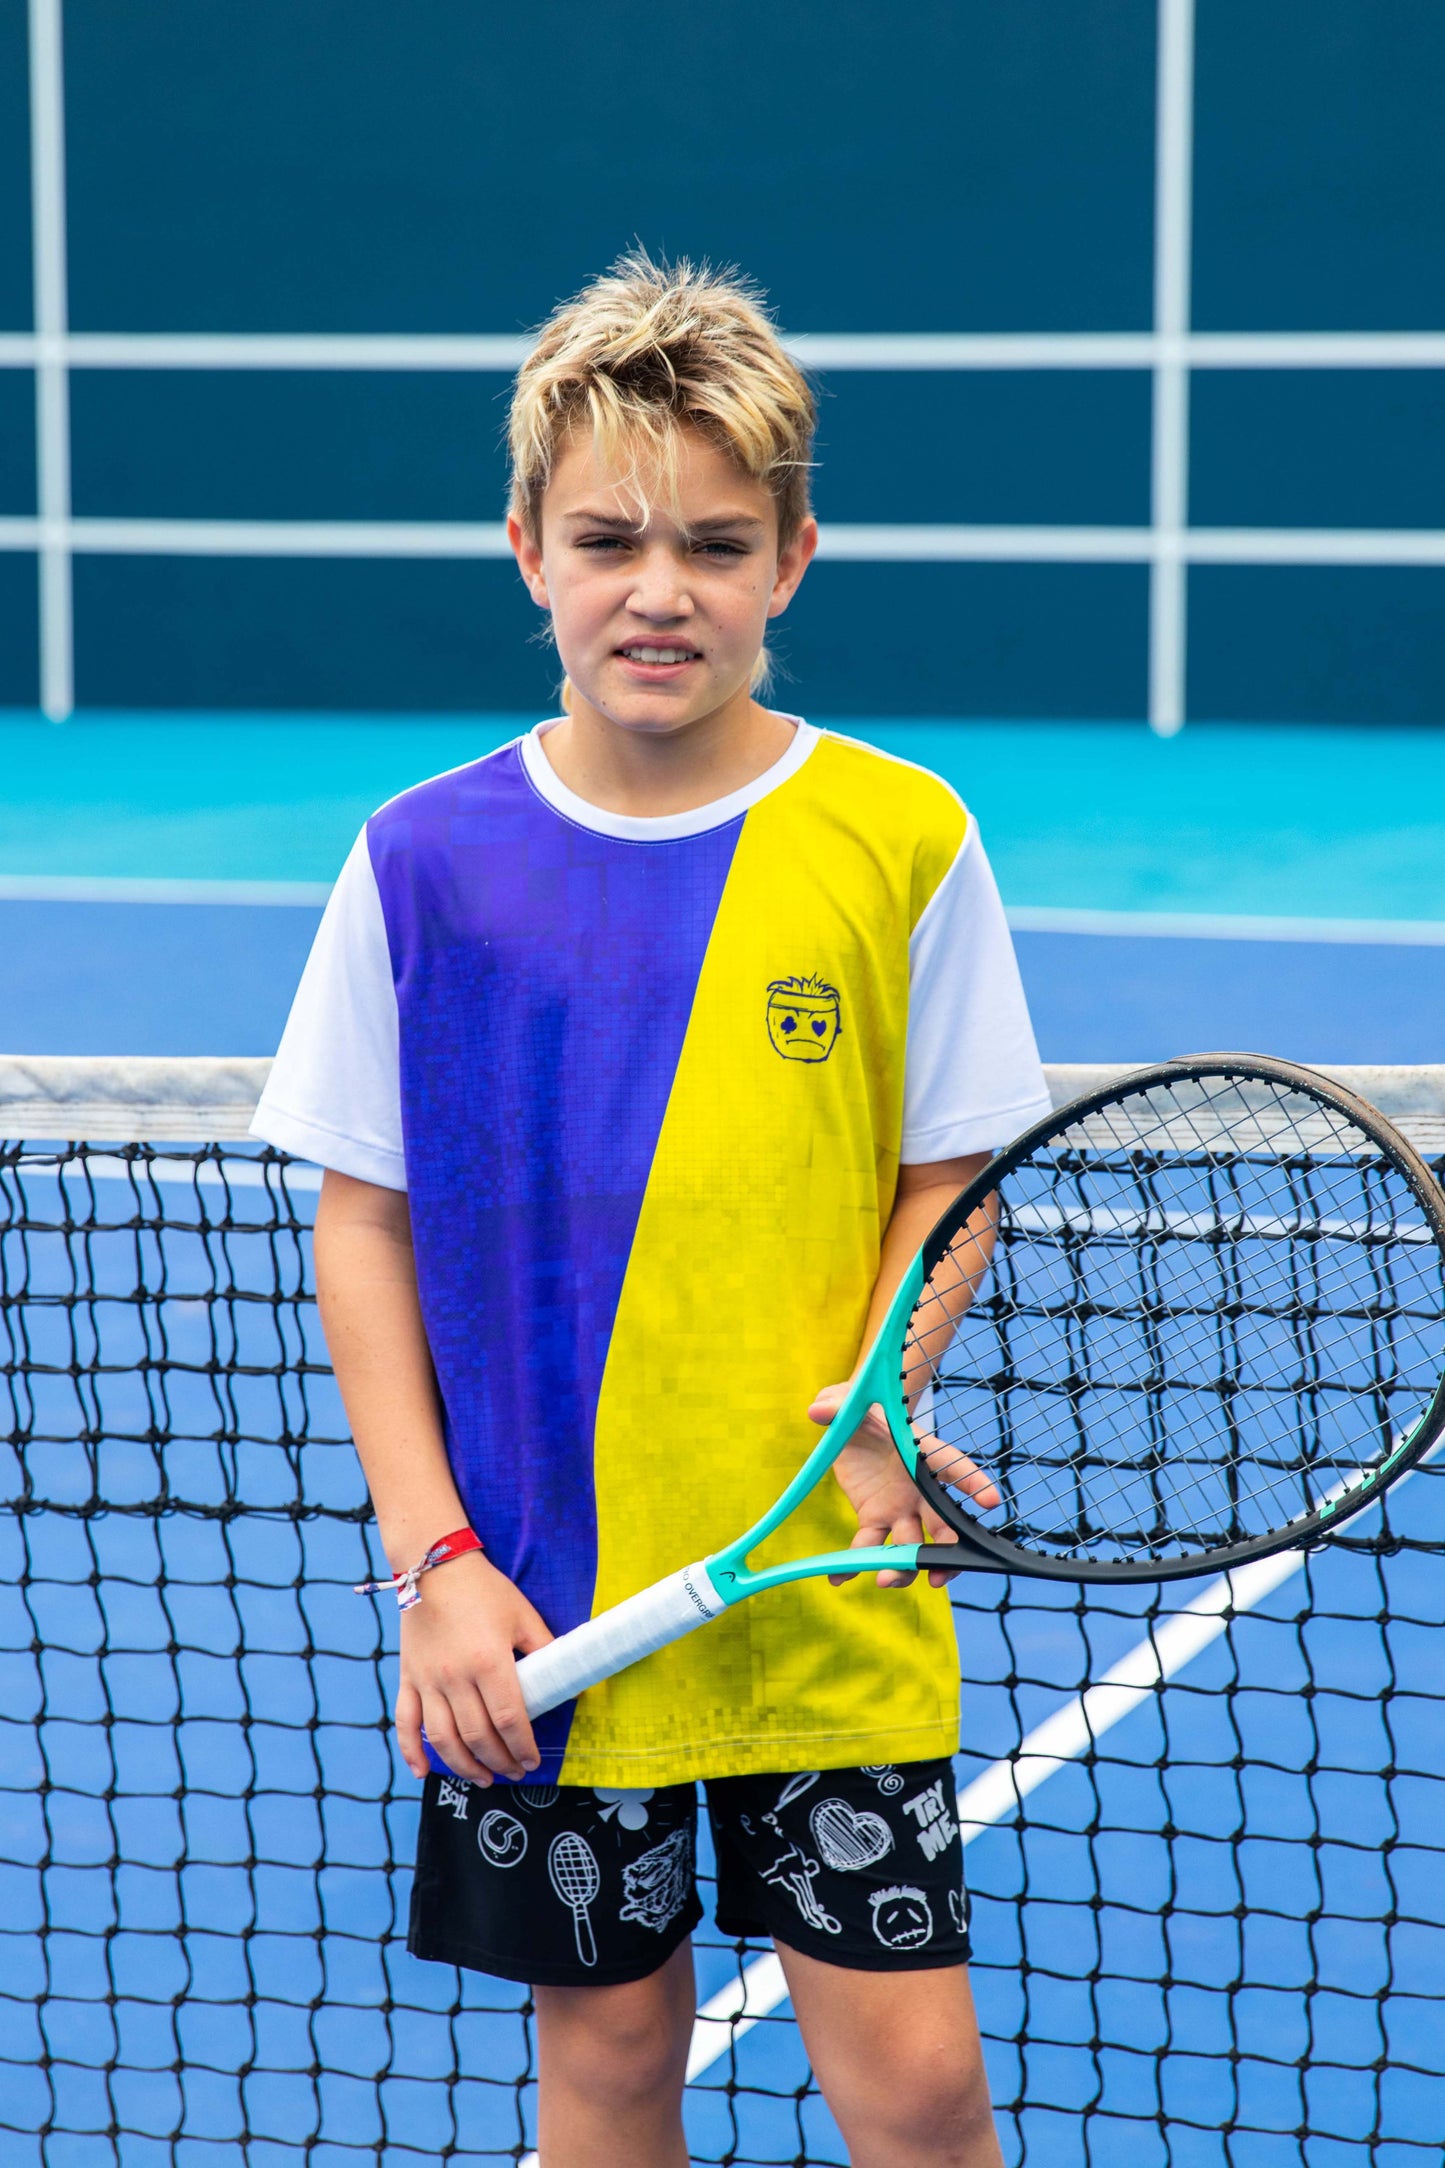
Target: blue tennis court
202	1812
1215	1936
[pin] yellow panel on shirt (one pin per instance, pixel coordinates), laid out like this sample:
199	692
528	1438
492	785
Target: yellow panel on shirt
747	1287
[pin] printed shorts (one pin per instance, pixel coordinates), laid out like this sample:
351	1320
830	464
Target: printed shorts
563	1886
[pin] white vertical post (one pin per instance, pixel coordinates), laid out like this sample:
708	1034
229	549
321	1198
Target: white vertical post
52	388
1169	478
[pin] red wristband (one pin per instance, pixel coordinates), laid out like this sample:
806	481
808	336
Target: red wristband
460	1541
452	1546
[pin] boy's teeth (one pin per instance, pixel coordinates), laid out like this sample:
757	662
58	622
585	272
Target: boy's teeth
658	654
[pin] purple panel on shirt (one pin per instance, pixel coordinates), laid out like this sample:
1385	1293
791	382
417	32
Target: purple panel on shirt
545	975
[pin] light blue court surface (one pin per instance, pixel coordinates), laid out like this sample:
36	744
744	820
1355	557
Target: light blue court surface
1225	823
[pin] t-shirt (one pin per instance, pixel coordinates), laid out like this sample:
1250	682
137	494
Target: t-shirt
647	1083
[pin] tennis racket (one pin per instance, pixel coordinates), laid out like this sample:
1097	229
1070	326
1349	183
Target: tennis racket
1190	1319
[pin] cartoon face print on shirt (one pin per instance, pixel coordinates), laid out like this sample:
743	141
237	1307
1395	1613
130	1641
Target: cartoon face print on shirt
804	1018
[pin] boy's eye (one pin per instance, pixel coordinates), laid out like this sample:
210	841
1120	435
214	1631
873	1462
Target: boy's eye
722	549
606	542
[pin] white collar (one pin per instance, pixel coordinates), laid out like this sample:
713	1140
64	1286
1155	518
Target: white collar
659	827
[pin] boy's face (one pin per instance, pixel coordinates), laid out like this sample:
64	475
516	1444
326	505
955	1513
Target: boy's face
660	625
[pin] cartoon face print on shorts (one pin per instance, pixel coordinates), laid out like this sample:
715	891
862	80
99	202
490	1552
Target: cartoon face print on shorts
501	1838
901	1917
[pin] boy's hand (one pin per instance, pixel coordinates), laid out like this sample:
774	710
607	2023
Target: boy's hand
459	1650
887	1502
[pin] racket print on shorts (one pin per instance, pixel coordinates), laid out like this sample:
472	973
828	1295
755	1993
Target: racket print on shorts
574	1874
1191	1319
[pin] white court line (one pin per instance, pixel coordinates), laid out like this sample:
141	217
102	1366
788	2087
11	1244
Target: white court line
1022	917
122	888
1225	926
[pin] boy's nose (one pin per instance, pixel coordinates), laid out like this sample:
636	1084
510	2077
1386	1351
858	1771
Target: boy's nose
660	593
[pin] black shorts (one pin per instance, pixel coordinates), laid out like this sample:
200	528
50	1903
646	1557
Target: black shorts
564	1886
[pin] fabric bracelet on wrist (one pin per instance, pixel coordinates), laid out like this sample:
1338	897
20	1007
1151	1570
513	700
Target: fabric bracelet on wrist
441	1553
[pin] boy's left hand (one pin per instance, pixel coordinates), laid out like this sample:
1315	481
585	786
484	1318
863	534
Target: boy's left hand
878	1487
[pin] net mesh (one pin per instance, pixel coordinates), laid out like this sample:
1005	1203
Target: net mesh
1212	1931
1213	1307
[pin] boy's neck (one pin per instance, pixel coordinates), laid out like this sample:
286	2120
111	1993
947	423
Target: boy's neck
645	774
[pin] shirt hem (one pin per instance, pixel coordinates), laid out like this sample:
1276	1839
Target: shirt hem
328	1148
779	1753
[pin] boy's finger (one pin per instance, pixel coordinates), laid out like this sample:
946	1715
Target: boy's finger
868	1533
960	1473
825	1403
532	1633
907	1530
939	1532
507	1713
408	1731
444	1736
477	1726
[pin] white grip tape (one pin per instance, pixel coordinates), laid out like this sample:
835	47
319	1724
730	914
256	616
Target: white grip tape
619	1637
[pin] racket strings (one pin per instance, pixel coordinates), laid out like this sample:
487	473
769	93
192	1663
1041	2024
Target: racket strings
1209	1305
1305	1376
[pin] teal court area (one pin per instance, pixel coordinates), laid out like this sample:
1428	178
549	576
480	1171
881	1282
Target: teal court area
1153	883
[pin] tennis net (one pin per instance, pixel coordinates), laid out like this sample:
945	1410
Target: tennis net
1206	1824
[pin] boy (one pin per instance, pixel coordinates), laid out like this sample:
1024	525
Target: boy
641	1055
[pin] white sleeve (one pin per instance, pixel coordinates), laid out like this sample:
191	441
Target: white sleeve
972	1079
334	1093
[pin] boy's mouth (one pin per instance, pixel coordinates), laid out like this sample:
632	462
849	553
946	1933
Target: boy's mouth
658	658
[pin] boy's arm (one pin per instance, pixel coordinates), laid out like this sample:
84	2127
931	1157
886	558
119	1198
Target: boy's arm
868	1468
458	1667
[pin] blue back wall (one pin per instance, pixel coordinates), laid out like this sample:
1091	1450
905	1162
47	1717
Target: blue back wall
453	166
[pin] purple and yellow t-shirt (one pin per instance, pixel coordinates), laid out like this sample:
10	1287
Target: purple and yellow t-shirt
647	1083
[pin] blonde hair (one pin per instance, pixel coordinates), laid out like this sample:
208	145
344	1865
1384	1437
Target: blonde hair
644	351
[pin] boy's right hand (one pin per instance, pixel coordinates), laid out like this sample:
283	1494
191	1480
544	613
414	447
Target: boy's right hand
459	1649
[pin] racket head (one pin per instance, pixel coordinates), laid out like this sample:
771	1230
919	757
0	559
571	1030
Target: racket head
1213	1326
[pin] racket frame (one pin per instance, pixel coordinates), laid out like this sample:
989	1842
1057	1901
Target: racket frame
976	1543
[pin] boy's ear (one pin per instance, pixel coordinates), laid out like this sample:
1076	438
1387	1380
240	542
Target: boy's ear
793	562
529	562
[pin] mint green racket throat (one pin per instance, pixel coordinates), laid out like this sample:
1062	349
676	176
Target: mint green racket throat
699	1593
